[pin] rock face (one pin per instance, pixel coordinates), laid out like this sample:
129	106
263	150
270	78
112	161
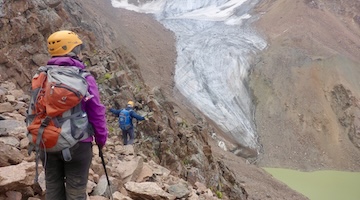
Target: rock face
306	85
173	153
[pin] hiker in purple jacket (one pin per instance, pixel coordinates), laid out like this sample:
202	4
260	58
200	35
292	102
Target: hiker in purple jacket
64	47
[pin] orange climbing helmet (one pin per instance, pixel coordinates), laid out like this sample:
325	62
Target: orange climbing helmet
130	103
62	42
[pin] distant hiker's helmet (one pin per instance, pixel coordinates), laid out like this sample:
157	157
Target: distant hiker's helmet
130	104
62	42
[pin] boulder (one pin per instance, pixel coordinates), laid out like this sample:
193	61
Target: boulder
9	155
17	176
147	190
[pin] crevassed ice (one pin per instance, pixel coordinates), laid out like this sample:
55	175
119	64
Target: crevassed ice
214	45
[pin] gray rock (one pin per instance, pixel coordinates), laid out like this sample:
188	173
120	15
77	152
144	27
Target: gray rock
147	190
16	176
179	190
6	107
9	155
10	140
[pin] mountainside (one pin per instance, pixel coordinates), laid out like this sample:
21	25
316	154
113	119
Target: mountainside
306	84
132	57
305	88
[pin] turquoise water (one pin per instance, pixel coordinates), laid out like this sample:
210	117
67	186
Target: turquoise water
321	185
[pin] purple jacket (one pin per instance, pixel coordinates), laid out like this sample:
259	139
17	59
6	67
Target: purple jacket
93	107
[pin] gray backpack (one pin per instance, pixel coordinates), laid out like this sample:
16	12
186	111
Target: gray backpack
55	119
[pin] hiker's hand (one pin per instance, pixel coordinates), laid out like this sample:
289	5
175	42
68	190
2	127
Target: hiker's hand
146	118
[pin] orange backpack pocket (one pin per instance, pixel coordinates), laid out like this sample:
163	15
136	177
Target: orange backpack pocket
38	80
60	98
50	135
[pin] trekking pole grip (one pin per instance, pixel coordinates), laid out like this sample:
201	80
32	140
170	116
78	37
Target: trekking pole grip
100	151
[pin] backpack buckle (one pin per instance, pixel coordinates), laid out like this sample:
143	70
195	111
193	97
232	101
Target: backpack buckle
46	121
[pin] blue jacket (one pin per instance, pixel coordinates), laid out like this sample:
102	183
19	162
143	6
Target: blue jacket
133	114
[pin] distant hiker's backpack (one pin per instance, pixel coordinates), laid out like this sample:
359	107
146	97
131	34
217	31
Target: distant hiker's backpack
125	119
55	120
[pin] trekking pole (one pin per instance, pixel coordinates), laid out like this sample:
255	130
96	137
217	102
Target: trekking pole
107	177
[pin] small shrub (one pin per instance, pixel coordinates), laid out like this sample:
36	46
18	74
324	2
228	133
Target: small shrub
87	63
102	80
107	76
186	162
219	194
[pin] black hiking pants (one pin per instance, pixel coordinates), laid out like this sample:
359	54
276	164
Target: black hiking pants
67	180
128	136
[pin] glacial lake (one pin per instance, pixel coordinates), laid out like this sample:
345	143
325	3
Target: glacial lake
320	185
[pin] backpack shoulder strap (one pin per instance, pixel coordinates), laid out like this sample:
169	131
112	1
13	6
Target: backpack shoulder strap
45	68
84	73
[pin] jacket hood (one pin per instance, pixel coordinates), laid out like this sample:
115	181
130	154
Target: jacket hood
66	61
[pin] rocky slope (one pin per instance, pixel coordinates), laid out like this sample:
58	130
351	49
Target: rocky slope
306	84
131	59
305	88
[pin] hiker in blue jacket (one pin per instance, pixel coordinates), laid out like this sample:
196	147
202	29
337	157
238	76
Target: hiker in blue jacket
125	121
